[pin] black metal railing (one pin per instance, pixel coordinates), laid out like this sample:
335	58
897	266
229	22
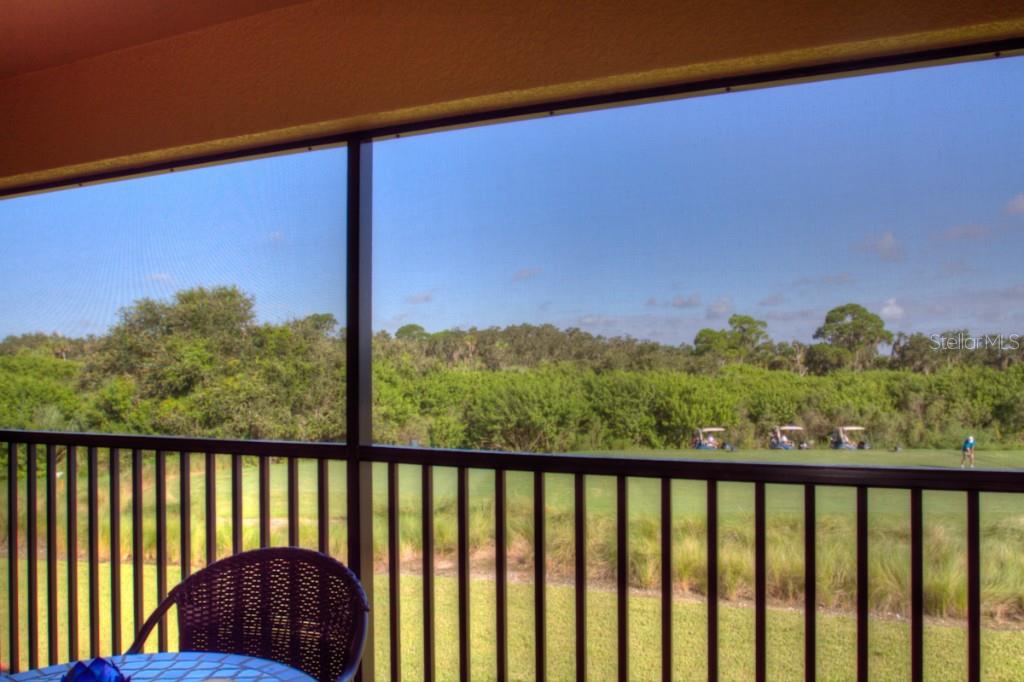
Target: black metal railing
23	455
22	451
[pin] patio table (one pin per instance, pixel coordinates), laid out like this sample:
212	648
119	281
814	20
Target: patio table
184	666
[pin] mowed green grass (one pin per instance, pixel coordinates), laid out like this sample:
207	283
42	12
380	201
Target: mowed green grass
945	643
945	547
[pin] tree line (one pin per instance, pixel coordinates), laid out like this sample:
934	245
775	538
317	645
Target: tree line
201	364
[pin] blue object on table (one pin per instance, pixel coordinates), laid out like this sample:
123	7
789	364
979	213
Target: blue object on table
183	666
99	670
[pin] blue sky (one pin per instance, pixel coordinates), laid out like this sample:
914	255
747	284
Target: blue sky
273	227
903	192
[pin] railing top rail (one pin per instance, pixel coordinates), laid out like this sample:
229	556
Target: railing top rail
930	478
270	448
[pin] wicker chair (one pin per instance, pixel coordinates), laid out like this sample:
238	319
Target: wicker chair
291	605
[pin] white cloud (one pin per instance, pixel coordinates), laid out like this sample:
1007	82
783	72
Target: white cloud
417	299
955	268
794	315
159	277
1016	204
392	323
597	321
773	300
719	308
275	237
973	309
964	233
892	310
939	308
825	280
691	301
1015	292
525	273
884	245
672	329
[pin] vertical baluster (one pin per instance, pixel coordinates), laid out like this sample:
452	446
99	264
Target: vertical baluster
916	588
264	501
115	550
540	578
622	573
185	513
211	508
580	518
666	579
51	553
323	506
293	502
236	504
161	542
973	587
501	574
394	573
462	504
428	573
94	551
13	604
712	538
361	539
862	583
760	587
138	578
810	586
31	559
72	495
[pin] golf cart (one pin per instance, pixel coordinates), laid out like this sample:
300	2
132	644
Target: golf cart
849	438
705	439
788	437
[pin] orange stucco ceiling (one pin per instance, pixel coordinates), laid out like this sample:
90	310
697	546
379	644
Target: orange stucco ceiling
103	86
39	34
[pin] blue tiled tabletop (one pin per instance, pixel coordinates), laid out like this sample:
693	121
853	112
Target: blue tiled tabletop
184	666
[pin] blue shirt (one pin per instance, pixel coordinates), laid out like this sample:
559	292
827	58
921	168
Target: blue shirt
968	444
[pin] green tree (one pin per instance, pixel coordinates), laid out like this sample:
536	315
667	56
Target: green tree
411	332
855	329
821	358
748	333
716	343
918	353
746	340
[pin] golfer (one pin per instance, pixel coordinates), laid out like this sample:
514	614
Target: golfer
967	452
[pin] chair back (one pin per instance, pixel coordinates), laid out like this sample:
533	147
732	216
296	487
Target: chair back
288	604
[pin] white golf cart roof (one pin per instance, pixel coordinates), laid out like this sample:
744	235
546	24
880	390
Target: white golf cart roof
712	429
